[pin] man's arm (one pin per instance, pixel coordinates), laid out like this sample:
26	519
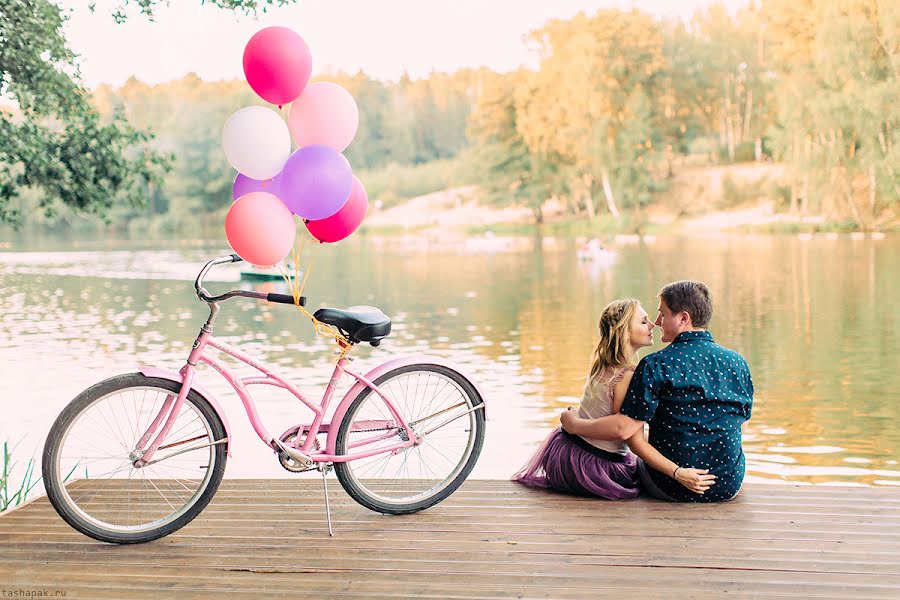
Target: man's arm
613	427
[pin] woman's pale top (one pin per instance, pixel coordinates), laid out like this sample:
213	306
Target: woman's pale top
597	401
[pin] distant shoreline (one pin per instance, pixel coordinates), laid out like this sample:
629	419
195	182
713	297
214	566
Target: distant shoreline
714	199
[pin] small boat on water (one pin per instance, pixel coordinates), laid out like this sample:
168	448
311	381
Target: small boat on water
254	273
596	251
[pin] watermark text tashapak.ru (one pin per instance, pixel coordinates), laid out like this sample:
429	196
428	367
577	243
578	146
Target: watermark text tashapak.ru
31	593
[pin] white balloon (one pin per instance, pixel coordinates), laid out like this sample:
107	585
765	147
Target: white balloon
257	142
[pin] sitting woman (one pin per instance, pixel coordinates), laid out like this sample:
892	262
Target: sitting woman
590	467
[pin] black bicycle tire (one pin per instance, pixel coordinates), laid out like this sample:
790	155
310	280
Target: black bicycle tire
85	399
359	494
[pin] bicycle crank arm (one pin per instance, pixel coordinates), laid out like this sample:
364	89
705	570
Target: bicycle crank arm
293	453
191	449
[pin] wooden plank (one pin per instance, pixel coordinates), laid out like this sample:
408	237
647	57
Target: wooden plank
503	516
480	488
291	530
388	540
185	546
276	501
457	581
674	557
389	527
354	588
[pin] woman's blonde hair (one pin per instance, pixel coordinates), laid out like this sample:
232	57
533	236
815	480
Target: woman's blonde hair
615	336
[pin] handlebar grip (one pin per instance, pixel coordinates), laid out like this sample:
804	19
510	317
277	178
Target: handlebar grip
284	299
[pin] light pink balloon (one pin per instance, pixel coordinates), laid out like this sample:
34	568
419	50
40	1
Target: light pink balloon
345	221
277	64
260	228
325	114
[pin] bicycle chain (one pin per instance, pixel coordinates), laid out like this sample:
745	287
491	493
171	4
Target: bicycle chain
317	447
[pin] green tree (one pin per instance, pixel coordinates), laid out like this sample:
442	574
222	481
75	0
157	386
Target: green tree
595	77
509	171
735	82
838	102
52	140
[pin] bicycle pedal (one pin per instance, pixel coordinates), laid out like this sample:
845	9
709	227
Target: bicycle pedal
295	455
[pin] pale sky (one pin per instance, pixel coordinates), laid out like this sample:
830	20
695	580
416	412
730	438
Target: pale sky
384	38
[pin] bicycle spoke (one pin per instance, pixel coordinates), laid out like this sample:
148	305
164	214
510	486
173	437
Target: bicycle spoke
150	481
111	429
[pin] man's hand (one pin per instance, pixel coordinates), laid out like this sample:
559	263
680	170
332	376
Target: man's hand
568	419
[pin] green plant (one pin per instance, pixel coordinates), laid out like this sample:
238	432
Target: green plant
9	500
736	193
780	194
10	495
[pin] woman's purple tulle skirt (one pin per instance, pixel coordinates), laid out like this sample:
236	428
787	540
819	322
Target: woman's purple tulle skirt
566	463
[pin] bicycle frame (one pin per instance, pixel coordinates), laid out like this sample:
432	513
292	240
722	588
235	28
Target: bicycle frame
172	405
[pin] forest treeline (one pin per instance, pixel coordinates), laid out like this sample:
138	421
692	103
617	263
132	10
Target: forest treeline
617	103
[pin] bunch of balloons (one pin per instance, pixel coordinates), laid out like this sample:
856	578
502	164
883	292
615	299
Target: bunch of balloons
314	182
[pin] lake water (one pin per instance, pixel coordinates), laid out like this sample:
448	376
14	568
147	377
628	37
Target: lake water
816	319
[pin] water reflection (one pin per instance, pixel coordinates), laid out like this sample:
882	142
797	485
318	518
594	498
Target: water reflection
817	320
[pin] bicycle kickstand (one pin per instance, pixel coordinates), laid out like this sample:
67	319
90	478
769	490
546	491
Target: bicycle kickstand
324	472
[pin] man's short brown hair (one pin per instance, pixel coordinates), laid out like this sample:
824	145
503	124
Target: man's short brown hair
691	297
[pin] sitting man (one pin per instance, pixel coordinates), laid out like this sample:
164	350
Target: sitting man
694	394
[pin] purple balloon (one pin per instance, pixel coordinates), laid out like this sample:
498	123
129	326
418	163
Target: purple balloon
316	182
243	185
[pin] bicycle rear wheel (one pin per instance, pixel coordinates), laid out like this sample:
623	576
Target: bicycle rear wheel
443	408
88	465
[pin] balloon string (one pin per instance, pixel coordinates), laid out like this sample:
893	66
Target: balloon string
293	280
287	279
290	279
296	286
305	277
283	110
294	289
296	253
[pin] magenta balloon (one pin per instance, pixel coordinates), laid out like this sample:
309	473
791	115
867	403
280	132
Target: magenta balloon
277	64
315	182
244	185
345	221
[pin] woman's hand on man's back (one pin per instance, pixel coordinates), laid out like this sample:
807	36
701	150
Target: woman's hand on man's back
696	480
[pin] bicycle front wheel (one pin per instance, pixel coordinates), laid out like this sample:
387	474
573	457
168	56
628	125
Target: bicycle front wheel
447	415
88	461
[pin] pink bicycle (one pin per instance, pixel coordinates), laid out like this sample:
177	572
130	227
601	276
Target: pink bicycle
138	456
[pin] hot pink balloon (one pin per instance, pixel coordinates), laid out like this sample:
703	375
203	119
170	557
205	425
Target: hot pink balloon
260	228
324	114
277	64
243	185
345	221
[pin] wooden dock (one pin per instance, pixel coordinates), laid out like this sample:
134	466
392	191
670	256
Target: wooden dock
492	539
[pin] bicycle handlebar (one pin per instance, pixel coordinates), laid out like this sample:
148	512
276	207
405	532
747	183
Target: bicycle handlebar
232	258
284	299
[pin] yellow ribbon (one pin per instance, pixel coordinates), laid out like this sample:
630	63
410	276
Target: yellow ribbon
296	285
